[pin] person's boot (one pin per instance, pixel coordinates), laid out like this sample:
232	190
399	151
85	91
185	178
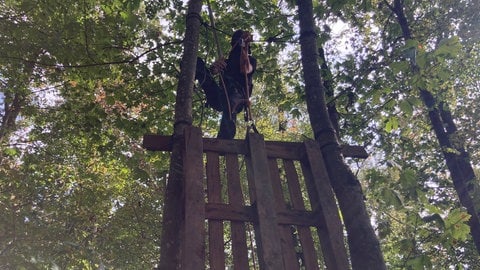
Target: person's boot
228	127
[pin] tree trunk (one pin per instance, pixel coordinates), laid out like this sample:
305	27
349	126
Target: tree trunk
456	157
326	75
457	160
14	102
170	249
363	244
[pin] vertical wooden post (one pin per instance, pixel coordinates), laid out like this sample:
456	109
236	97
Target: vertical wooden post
267	230
331	230
304	233
215	227
238	228
193	240
287	242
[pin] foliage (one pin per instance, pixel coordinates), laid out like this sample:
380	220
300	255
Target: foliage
81	82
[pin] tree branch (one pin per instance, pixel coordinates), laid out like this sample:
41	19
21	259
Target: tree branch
123	61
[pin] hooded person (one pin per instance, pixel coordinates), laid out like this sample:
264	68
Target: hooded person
237	73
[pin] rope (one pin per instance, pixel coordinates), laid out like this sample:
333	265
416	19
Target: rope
244	68
212	23
220	56
278	38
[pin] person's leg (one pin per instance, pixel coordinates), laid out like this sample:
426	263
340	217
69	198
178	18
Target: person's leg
210	87
227	126
237	102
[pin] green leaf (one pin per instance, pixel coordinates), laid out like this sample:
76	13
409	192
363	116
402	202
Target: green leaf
337	4
448	48
406	245
419	262
421	59
435	217
390	197
11	152
411	43
444	74
391	124
456	224
406	108
419	82
408	179
398	67
384	229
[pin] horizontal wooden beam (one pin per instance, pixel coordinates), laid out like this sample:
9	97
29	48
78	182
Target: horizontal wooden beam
220	211
276	149
354	151
155	142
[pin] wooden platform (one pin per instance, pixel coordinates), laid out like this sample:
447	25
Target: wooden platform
274	148
251	204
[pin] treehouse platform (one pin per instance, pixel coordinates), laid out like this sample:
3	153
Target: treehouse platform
255	204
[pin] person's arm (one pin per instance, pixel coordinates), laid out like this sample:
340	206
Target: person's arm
218	66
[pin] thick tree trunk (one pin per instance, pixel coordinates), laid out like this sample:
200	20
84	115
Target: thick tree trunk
456	157
457	160
363	244
170	252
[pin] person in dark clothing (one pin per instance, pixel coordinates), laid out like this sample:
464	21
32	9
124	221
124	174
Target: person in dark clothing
236	72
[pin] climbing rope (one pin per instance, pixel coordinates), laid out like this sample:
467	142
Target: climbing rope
244	69
220	56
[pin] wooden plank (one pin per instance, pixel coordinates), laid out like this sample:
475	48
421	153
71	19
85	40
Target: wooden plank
216	252
220	211
193	244
286	238
293	185
298	217
314	201
354	151
289	150
310	258
155	142
276	185
225	146
267	226
285	150
235	198
331	230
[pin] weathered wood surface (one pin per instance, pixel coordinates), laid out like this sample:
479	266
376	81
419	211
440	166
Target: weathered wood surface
330	230
304	234
287	241
238	228
260	183
267	230
286	150
216	253
193	246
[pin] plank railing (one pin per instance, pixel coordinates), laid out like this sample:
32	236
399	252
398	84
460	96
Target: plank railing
280	189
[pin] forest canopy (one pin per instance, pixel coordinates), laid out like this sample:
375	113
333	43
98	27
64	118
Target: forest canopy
82	81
